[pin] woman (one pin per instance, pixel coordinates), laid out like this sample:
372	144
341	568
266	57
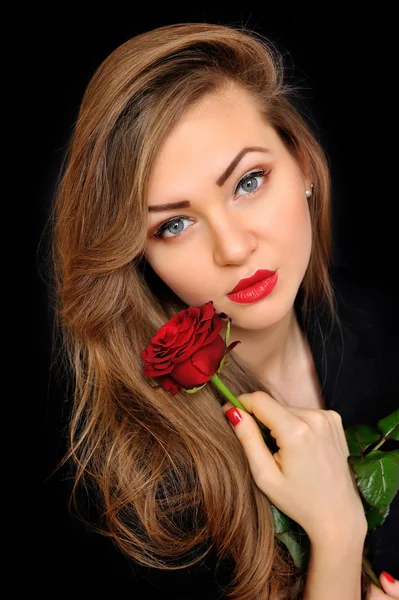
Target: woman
198	117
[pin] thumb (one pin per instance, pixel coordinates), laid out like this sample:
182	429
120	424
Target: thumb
390	585
264	468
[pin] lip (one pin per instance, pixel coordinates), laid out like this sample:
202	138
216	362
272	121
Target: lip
259	275
255	292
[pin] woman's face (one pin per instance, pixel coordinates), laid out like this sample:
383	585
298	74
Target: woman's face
233	221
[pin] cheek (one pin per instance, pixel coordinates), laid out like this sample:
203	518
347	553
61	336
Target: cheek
183	272
291	226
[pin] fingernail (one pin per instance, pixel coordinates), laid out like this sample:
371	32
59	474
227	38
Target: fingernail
233	416
388	577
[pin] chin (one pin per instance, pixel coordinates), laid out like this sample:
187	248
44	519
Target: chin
259	315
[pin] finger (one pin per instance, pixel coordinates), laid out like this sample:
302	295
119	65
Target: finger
333	418
336	417
376	594
264	469
335	421
389	584
286	427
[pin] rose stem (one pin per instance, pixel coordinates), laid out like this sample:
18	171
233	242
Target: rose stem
226	392
368	569
382	441
217	382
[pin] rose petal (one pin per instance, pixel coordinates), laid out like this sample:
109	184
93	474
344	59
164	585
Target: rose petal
232	345
214	335
208	359
162	331
169	384
149	371
202	338
185	353
201	327
166	334
183	338
162	366
188	376
208	311
157	357
187	323
194	312
217	321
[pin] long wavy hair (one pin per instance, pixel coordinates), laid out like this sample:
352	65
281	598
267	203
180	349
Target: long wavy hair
167	474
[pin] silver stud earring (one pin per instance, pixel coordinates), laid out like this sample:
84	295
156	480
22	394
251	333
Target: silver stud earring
308	192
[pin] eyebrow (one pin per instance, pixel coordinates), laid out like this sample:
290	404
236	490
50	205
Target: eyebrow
222	179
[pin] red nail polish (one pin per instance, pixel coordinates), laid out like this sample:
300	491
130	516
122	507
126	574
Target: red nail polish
388	577
233	416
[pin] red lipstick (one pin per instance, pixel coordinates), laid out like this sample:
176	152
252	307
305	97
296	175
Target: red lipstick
254	288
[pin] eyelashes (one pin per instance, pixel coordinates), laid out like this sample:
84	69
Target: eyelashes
163	227
248	177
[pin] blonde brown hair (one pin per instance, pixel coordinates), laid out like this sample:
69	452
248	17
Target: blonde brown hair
168	473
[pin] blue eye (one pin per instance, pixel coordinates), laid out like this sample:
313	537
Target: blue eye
249	182
171	226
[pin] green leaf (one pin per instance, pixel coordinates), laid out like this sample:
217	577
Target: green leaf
389	425
299	552
360	437
293	536
222	362
377	477
375	518
282	523
226	340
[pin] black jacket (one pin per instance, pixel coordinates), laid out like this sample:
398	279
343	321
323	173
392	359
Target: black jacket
359	374
358	369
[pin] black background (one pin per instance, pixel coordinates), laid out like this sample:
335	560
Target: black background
345	64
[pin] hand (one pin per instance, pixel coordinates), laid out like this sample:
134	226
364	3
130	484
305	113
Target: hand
308	478
390	590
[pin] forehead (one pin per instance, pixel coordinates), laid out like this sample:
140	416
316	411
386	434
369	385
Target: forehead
220	112
211	132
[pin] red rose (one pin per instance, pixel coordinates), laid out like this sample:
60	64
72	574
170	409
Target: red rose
187	350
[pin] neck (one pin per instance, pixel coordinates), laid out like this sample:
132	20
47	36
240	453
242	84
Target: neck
271	353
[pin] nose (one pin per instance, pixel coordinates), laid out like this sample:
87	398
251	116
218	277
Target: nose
233	240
